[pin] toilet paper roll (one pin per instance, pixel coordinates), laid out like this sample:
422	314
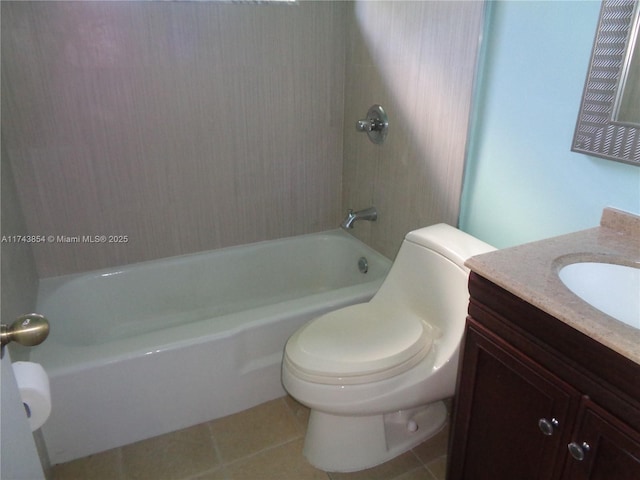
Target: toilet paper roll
33	384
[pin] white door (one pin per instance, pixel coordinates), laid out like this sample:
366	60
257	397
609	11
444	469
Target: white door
18	454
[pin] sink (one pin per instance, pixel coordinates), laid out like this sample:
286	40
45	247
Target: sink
611	288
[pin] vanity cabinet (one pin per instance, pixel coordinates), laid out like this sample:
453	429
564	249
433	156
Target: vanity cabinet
612	447
538	400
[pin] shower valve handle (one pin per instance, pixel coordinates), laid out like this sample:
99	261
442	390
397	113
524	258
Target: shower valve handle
376	125
369	125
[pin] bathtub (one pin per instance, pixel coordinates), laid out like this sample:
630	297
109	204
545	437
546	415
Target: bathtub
146	349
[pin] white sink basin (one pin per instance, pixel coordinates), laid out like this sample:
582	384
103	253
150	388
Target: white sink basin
612	289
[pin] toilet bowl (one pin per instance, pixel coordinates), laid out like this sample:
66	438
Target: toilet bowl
374	375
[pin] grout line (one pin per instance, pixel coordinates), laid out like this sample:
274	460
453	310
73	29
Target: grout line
259	452
216	449
214	441
122	468
437	477
418	458
220	468
422	468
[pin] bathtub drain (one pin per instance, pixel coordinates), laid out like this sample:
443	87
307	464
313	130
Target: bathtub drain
363	265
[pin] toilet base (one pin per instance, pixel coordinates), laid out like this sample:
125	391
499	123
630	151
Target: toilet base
336	443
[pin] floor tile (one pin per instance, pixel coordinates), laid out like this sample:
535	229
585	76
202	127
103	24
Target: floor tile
251	431
285	462
387	471
101	466
172	456
438	467
434	447
300	411
418	474
218	474
261	443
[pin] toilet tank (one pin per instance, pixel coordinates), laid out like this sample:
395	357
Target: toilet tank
428	278
453	244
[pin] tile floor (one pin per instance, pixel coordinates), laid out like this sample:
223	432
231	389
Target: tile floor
261	443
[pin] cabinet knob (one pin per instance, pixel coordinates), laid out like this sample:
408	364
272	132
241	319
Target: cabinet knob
578	450
548	427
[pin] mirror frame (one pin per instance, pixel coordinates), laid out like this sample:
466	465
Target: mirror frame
596	132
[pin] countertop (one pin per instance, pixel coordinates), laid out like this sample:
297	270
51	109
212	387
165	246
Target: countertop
530	271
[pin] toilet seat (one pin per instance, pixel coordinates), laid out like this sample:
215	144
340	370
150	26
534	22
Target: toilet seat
359	344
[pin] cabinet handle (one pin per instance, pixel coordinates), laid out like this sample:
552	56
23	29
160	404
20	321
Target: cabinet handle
578	451
547	427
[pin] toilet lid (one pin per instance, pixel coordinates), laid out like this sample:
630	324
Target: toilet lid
358	344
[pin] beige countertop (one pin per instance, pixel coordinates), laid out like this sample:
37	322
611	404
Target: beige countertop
530	271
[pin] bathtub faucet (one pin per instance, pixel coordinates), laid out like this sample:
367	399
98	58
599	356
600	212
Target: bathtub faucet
370	214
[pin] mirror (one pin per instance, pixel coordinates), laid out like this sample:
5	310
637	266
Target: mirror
609	120
627	108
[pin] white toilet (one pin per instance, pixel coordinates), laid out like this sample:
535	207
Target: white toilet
374	375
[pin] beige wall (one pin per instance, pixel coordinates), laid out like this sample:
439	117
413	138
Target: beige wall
417	60
190	126
185	125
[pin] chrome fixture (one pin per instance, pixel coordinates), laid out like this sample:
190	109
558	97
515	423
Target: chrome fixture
28	330
578	451
376	125
548	427
370	214
363	265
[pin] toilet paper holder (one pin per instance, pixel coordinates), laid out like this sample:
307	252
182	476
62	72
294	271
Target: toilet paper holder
28	330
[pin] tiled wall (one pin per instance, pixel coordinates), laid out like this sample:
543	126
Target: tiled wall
190	126
19	276
417	60
186	126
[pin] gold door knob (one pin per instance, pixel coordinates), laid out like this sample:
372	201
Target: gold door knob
28	330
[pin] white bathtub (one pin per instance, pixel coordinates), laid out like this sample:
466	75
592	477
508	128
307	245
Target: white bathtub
146	349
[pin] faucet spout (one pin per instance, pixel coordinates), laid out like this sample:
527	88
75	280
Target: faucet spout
370	214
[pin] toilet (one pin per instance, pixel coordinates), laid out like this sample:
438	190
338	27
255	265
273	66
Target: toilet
374	374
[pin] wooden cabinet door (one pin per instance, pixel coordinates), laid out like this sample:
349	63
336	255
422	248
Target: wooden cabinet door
502	397
603	447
